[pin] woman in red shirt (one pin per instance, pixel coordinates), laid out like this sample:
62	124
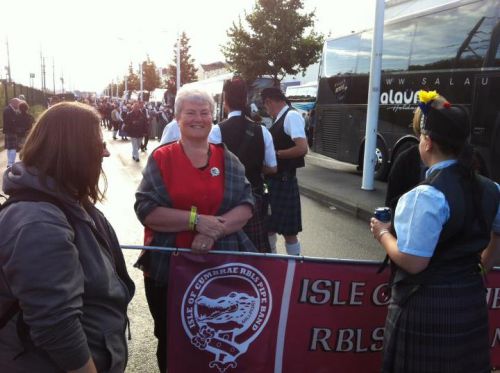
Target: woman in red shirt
193	195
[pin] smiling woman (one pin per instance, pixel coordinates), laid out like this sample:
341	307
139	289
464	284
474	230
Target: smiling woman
193	195
193	111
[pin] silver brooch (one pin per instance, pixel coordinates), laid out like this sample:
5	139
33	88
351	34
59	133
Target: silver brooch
214	171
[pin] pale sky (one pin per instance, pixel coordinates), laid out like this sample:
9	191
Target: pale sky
92	42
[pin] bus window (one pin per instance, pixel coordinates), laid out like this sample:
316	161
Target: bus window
365	52
473	50
457	38
496	59
341	55
398	40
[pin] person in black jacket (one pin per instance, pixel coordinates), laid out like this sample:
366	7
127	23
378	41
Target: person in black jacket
136	126
24	123
407	170
10	115
253	145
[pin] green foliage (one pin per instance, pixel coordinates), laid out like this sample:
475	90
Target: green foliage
188	71
150	75
36	111
132	79
274	42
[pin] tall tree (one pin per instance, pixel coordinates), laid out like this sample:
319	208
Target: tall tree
132	79
188	71
150	75
275	42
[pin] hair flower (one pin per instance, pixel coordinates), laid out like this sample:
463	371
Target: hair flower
425	99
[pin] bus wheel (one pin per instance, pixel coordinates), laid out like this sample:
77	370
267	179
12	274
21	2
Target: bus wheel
382	165
382	161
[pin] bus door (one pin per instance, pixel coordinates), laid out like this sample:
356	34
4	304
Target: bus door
485	132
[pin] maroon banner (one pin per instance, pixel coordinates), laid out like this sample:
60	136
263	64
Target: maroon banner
336	318
263	314
223	312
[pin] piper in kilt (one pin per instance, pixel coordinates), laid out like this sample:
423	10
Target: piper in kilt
253	145
290	141
447	227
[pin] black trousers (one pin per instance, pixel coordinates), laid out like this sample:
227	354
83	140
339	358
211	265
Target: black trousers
156	296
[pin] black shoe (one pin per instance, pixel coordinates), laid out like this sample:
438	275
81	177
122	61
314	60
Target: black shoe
114	137
135	159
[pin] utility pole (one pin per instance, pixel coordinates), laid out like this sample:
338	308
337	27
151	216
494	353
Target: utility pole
9	76
44	75
178	61
62	82
41	68
141	81
53	76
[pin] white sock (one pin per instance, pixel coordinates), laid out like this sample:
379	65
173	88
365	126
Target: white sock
273	238
11	157
293	248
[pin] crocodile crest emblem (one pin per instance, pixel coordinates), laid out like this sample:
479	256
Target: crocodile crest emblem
225	323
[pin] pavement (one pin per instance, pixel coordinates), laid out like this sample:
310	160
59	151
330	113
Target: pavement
338	184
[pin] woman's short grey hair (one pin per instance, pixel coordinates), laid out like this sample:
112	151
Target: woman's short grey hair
192	94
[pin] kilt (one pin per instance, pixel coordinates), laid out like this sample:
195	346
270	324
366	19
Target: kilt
11	141
440	328
284	201
254	228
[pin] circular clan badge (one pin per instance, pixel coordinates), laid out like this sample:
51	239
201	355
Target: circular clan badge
224	309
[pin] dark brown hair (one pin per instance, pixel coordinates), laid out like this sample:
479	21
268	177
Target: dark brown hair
66	145
235	94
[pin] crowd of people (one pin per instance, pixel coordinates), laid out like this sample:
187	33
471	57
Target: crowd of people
154	117
229	187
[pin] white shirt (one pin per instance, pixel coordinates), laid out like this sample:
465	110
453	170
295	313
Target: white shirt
215	137
171	132
294	125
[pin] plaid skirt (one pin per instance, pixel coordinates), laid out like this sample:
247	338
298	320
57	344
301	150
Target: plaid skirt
255	229
284	201
12	141
440	328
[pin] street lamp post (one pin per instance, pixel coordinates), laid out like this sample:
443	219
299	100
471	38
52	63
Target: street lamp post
178	62
141	82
